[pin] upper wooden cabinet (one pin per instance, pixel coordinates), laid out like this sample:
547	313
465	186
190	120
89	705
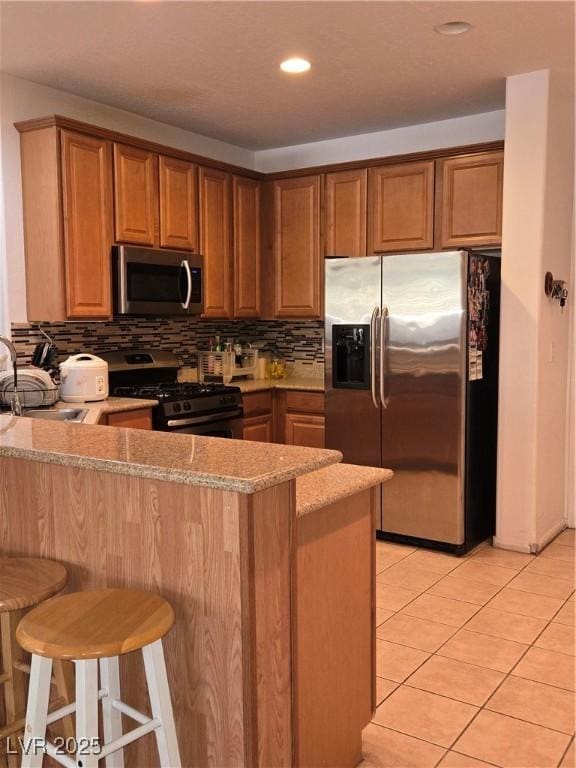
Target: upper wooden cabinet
178	182
346	213
136	197
246	225
470	199
215	241
401	207
67	202
87	206
297	248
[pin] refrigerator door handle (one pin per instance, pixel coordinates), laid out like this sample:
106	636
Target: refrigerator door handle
373	356
383	321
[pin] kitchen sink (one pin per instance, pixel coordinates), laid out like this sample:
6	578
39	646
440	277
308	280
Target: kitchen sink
56	414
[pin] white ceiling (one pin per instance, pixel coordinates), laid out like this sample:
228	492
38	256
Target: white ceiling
212	67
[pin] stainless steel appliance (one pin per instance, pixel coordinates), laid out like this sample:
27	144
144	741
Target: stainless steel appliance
149	281
213	410
412	384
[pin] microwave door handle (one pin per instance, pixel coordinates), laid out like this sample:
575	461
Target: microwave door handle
186	267
383	323
373	356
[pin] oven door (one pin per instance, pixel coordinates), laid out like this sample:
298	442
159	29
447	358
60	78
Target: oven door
213	425
154	282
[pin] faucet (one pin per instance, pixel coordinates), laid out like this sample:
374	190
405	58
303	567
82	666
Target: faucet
15	404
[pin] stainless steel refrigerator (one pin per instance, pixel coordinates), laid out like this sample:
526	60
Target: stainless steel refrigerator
411	349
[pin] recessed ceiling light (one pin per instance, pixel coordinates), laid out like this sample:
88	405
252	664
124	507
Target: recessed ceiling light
453	28
295	66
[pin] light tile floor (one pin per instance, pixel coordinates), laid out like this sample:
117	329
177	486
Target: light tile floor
475	658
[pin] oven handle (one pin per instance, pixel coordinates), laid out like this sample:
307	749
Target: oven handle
186	267
224	416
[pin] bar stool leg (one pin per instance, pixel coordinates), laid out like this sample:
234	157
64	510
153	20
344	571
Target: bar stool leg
161	705
86	713
112	719
37	712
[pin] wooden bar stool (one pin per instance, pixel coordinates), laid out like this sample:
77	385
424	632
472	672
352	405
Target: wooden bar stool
24	582
93	629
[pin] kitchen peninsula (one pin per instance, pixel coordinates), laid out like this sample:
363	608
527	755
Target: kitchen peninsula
266	553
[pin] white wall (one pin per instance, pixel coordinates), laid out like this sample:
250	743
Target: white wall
534	352
23	100
473	129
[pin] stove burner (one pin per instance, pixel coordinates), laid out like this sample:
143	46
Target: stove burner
169	391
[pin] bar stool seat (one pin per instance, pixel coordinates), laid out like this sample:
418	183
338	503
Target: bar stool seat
26	581
93	629
94	625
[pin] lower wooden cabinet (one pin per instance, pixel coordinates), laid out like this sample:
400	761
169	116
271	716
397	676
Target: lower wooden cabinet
304	429
140	418
258	428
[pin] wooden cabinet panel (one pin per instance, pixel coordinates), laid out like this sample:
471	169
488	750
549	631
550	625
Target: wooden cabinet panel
401	207
87	207
302	429
140	418
346	213
215	241
257	403
178	204
258	428
470	196
135	195
297	252
246	197
305	402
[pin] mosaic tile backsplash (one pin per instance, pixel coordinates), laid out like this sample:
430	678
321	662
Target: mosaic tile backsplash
296	341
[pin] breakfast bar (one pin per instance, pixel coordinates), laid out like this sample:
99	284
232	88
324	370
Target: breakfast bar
263	551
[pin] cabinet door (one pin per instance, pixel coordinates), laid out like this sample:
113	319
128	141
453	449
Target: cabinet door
178	204
258	428
215	242
303	429
401	207
87	207
346	213
246	193
297	252
471	200
136	196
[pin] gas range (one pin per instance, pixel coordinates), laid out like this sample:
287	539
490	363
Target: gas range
207	409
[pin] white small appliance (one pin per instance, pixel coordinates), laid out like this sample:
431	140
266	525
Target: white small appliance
83	379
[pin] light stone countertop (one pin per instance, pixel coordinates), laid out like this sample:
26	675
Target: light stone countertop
112	405
305	383
325	486
229	465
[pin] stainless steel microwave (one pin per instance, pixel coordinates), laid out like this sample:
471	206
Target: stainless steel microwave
150	281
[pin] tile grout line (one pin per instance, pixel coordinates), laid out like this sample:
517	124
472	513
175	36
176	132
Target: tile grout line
565	752
507	675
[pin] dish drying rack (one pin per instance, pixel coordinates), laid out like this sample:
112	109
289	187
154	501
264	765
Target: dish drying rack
221	367
29	397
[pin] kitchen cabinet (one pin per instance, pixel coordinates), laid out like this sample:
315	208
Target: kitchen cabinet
67	205
300	418
304	429
178	182
135	195
246	246
258	420
470	200
346	193
216	241
297	247
401	207
138	418
87	207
